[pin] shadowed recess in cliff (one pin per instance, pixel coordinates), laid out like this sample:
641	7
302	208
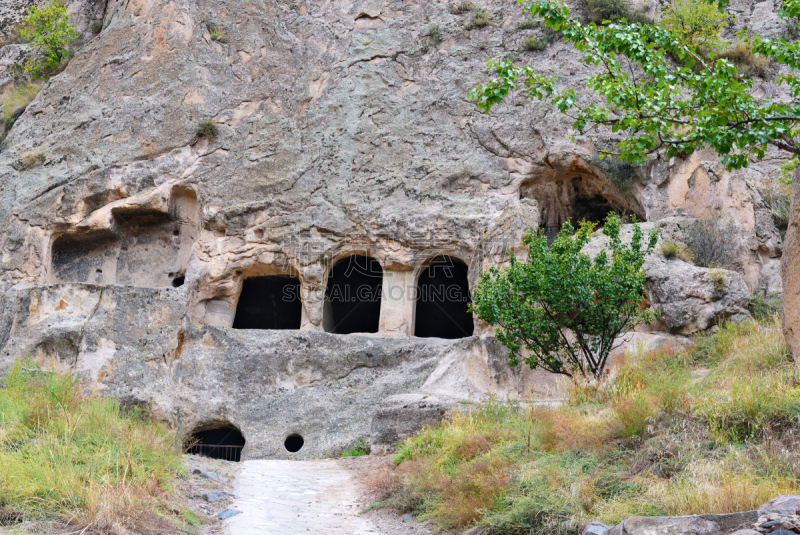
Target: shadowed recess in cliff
353	296
269	303
575	199
443	300
219	443
142	246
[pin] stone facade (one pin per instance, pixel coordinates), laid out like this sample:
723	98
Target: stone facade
343	130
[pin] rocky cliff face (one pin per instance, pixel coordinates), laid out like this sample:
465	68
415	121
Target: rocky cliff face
343	130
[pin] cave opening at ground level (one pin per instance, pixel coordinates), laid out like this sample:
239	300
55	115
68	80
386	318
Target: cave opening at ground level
442	307
269	303
221	443
353	296
293	443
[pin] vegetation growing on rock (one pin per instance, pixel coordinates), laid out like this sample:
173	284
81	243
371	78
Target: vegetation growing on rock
50	33
208	129
698	24
710	243
565	309
712	429
82	462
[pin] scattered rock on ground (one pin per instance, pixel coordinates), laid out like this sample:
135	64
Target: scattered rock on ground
227	513
214	496
208	475
595	528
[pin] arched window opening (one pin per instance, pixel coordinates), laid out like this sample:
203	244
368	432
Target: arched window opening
269	303
353	296
222	443
443	300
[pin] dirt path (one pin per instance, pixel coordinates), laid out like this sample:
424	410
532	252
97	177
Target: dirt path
280	497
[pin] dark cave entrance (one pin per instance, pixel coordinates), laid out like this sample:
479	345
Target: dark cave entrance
293	443
222	443
442	300
353	296
269	303
574	200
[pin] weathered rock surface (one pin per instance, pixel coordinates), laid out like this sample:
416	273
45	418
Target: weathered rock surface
697	524
686	298
790	273
342	130
137	346
786	505
779	516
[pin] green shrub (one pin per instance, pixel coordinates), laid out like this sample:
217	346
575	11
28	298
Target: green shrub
208	129
787	171
31	160
434	37
748	64
560	289
217	34
698	24
763	306
527	24
50	33
358	450
463	7
719	278
599	11
480	18
539	511
534	44
19	97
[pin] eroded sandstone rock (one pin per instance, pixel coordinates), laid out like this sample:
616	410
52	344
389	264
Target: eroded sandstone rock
790	274
342	133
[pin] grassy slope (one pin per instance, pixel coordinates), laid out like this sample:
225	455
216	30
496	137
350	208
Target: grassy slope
81	462
710	431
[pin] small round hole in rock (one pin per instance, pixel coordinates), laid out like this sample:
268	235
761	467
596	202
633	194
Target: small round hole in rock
176	232
293	443
99	271
178	281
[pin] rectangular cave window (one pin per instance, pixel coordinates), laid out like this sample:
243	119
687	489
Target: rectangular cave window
443	300
269	303
353	296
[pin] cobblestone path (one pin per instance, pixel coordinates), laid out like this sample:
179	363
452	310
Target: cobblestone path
297	497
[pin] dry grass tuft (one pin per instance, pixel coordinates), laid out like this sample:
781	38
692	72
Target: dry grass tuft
655	438
747	63
82	461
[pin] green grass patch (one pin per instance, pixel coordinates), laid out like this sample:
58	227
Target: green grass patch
83	462
358	450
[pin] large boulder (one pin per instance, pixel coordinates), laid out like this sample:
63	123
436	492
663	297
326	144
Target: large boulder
790	273
686	298
710	524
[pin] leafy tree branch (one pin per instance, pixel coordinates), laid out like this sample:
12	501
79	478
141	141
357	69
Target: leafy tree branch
660	91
